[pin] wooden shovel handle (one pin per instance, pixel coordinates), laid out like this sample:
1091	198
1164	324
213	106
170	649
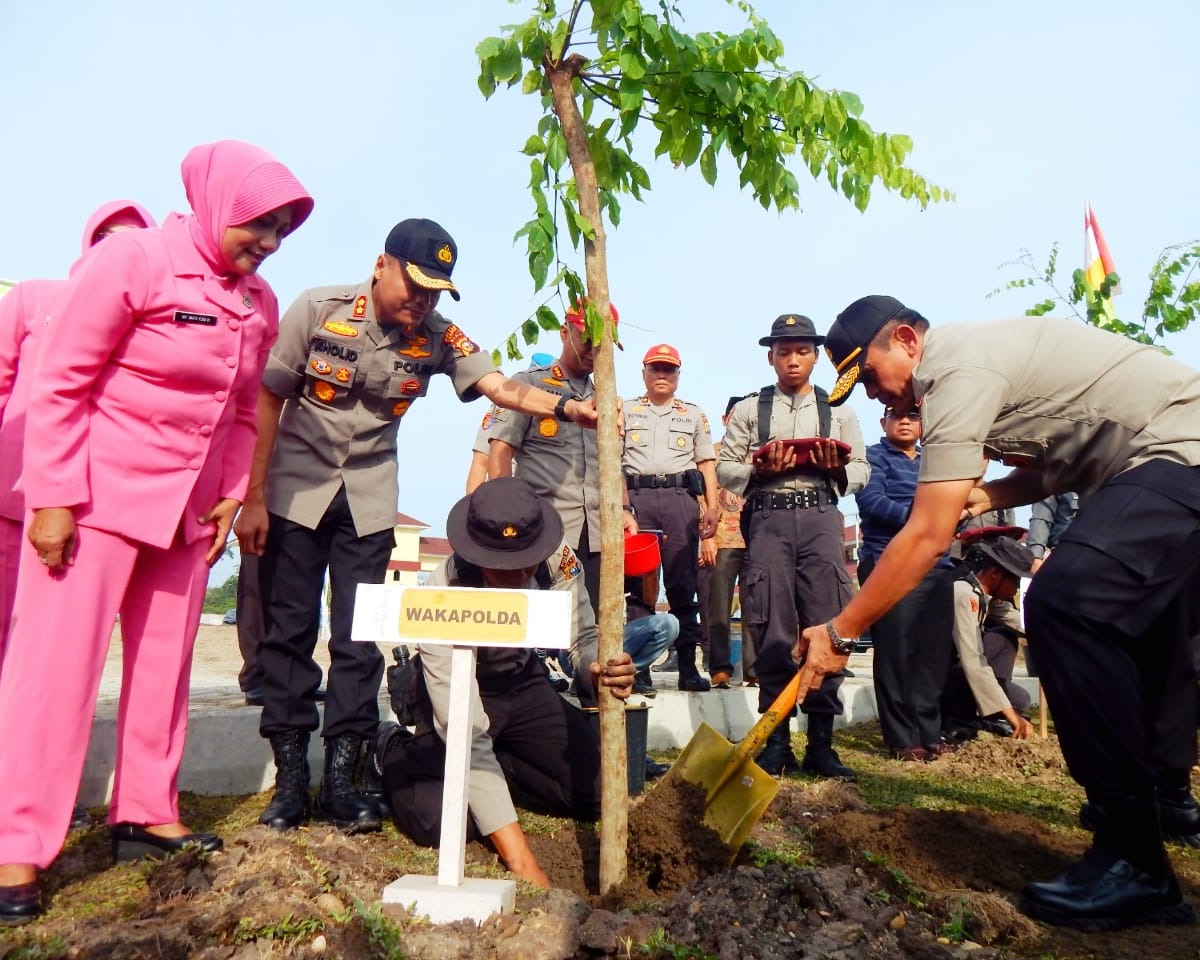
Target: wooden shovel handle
753	741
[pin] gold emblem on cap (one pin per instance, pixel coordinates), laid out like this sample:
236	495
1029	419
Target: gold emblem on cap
845	383
445	254
508	532
664	349
789	322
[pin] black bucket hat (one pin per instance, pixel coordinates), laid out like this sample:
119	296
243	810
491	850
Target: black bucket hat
792	326
504	525
1007	554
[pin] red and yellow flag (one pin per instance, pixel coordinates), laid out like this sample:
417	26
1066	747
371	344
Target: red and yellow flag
1097	261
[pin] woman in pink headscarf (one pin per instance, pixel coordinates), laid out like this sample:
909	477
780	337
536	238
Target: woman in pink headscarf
23	313
138	439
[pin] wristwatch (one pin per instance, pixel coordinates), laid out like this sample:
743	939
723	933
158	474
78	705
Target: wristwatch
842	647
560	408
630	508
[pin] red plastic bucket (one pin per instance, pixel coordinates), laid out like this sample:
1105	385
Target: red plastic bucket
641	554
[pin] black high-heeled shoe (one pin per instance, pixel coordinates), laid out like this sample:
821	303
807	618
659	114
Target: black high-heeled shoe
20	904
133	842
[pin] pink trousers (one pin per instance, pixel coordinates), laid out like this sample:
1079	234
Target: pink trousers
11	539
57	646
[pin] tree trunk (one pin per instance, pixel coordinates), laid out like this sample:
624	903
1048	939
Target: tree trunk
614	801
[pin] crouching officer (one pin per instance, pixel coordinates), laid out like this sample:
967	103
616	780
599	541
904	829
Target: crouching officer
794	533
529	745
669	464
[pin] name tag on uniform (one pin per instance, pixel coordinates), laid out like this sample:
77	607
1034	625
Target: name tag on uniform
182	316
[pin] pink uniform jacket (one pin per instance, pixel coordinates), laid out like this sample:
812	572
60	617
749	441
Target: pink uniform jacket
23	314
136	432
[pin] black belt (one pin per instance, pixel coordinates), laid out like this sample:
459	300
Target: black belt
637	481
790	500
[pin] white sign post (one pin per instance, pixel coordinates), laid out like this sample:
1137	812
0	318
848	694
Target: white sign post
464	618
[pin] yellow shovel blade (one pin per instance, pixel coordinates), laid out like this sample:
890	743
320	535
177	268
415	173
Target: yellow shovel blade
741	793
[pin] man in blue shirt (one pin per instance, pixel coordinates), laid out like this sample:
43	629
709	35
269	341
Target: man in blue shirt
912	642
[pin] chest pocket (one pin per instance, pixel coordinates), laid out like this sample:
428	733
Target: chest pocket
681	438
637	432
545	431
330	371
399	393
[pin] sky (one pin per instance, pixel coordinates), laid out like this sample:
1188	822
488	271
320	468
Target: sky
1026	110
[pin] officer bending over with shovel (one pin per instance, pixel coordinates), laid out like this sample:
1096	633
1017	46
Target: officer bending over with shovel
529	745
1110	614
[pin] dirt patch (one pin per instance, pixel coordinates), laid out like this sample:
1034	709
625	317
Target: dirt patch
825	875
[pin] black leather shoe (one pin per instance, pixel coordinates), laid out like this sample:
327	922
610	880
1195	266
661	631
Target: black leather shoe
1105	892
777	757
133	842
654	769
254	697
694	684
19	904
643	685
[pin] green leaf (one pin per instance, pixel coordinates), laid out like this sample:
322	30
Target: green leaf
632	64
708	165
534	146
530	331
547	319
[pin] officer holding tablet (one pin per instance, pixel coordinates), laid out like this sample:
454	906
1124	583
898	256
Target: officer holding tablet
791	455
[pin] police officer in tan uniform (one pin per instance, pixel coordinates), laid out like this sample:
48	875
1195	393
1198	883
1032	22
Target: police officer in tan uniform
794	533
349	364
1110	613
669	465
559	460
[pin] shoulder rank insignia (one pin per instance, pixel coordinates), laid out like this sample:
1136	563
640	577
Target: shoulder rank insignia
569	565
557	373
679	405
360	307
341	328
459	342
704	421
548	427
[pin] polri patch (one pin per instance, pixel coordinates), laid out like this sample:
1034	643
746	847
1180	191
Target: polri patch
204	319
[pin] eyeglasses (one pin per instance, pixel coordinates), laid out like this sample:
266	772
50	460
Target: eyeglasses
913	414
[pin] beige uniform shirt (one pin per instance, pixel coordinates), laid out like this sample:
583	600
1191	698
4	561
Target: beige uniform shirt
347	382
791	418
664	439
557	458
968	638
1081	404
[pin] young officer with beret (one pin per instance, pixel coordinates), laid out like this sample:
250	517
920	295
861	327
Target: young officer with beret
795	569
349	363
1110	614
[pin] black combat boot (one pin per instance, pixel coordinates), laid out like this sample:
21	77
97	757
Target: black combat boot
338	801
820	759
289	805
370	781
689	677
777	757
1124	879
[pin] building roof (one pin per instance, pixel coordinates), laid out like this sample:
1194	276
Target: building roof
436	546
404	520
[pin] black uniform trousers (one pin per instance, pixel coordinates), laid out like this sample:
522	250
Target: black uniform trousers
292	578
725	573
249	622
548	749
675	512
912	644
795	577
1109	619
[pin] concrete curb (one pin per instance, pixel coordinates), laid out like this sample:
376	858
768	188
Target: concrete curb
226	755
